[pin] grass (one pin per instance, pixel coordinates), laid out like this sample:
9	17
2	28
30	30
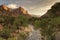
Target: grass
56	20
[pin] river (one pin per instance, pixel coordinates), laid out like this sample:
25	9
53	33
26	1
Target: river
34	34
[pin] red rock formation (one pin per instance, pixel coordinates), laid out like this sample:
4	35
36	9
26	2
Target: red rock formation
23	10
4	10
4	7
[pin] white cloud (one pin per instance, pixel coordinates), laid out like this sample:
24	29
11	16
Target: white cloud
39	10
13	6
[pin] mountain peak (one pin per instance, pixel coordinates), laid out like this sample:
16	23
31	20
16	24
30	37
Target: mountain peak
4	7
14	12
23	10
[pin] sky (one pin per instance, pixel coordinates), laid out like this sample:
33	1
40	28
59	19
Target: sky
35	7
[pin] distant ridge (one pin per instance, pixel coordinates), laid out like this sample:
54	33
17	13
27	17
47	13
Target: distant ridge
15	12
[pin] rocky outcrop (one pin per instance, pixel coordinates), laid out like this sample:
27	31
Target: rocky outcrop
23	10
14	12
4	7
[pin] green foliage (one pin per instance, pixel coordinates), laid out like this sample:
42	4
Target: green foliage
5	34
52	22
37	24
11	24
48	24
23	20
56	20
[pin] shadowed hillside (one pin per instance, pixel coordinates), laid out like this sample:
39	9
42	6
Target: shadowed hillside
54	11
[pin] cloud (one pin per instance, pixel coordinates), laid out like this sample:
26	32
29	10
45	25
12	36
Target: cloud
40	11
13	6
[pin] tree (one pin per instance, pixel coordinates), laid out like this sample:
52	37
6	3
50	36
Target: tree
5	34
37	24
